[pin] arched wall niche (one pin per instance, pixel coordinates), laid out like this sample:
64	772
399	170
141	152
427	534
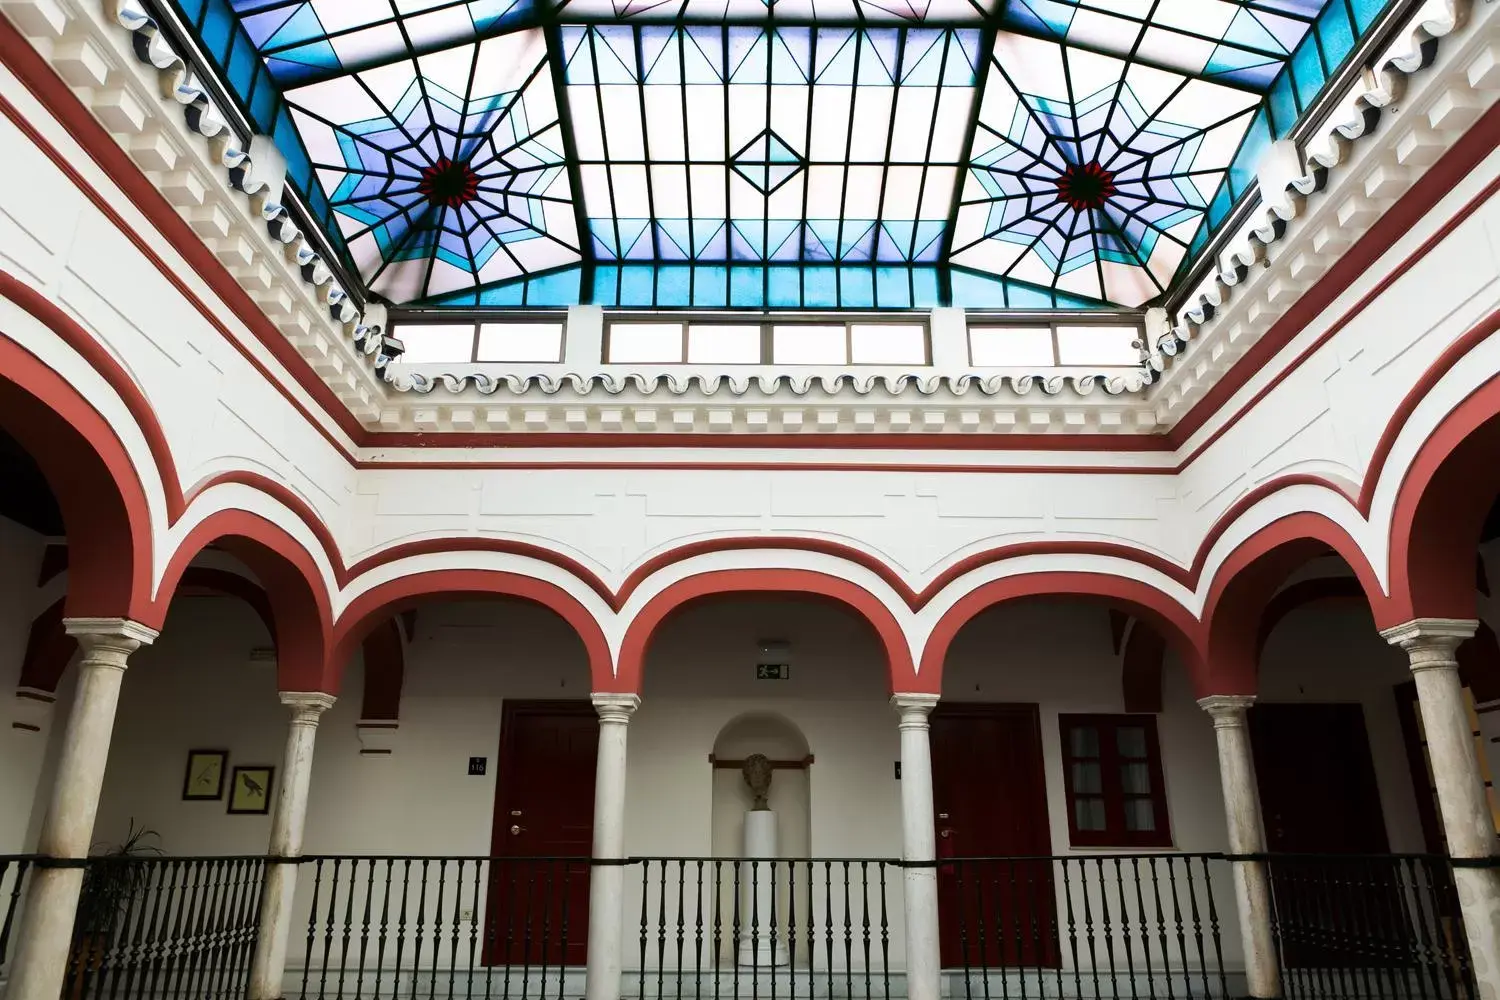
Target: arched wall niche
790	798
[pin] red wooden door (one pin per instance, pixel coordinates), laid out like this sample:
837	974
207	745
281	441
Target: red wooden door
1319	797
990	798
543	836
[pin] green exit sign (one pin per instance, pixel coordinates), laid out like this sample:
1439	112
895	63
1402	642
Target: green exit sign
773	671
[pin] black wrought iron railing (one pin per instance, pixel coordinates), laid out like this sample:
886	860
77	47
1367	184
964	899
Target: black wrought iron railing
165	927
1369	926
441	927
783	929
1140	926
14	869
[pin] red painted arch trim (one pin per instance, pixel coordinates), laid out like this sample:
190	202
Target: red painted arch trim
100	587
1164	614
779	581
389	599
1420	589
301	610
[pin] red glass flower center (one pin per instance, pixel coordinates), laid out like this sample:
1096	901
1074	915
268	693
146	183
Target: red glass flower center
1085	186
449	183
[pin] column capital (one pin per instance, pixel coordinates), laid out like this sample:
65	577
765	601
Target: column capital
306	706
914	708
615	707
1431	642
109	641
1228	710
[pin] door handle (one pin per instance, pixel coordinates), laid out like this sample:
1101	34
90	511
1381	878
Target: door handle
515	831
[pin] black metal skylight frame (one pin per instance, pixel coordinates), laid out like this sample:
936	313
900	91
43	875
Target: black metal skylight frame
550	20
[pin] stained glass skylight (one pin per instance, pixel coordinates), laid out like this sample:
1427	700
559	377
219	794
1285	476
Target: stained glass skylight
774	153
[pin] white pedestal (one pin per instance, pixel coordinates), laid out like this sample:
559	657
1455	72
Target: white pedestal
758	890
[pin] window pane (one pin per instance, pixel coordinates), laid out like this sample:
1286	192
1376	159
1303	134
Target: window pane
1131	741
809	345
1088	814
436	341
888	344
520	342
658	343
1011	347
1140	815
1135	779
1083	741
724	344
1098	345
1086	778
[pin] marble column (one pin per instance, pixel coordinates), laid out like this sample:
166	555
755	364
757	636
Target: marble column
919	850
1252	887
1432	644
606	875
288	818
41	955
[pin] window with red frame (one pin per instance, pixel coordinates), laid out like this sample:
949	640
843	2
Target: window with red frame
1112	773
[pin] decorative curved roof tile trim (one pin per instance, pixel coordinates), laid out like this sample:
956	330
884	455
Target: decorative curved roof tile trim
769	386
175	78
1389	86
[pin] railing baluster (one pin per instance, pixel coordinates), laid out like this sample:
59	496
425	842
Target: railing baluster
661	934
718	923
791	927
698	937
1066	864
645	929
848	938
475	909
885	938
681	926
1161	931
346	931
385	922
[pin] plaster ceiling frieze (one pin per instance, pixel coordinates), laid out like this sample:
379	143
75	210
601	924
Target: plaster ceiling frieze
115	60
1411	110
841	403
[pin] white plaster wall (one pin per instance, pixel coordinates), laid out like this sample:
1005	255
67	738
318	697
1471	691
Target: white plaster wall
21	752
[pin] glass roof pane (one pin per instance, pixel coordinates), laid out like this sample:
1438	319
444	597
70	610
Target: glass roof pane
747	144
445	171
301	39
1244	42
774	154
876	11
1090	174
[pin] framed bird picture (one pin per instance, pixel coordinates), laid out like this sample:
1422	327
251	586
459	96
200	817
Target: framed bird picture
205	775
250	791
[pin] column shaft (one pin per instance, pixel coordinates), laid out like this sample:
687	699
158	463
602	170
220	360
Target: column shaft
919	850
607	877
1432	646
1252	886
288	817
46	933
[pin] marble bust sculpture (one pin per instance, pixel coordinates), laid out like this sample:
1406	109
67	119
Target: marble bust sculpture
757	771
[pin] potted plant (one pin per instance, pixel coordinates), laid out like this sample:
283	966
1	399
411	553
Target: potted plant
109	885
